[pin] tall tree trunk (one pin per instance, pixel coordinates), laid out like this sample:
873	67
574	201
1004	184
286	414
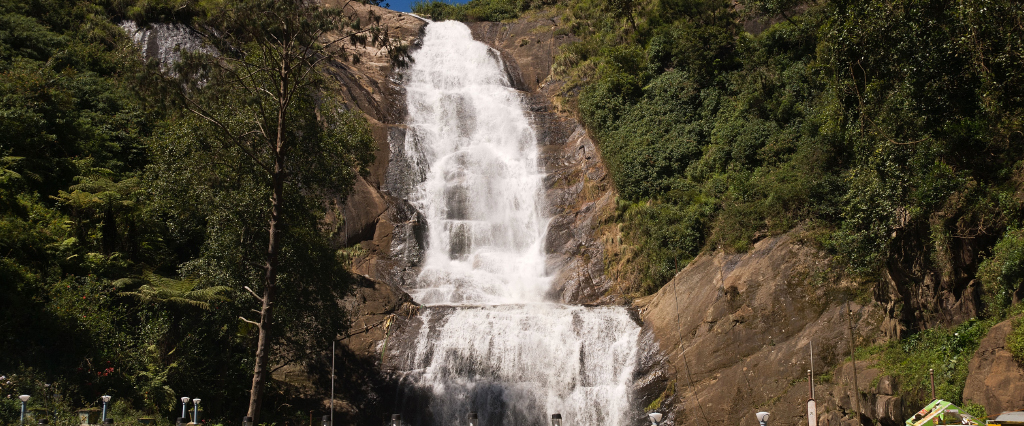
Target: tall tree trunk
259	374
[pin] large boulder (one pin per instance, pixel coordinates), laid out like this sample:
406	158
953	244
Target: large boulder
737	330
995	379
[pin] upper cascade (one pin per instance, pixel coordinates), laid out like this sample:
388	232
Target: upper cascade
481	187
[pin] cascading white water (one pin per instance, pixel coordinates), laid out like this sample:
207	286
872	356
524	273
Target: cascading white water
490	342
469	136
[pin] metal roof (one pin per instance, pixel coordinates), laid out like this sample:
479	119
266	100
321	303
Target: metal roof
1011	417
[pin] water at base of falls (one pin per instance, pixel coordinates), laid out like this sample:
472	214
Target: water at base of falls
489	341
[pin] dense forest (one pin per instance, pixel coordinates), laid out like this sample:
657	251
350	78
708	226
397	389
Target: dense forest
148	210
134	212
889	132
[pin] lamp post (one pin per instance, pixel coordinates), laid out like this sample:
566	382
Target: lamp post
655	418
195	410
184	404
556	420
103	415
24	400
762	417
473	420
396	420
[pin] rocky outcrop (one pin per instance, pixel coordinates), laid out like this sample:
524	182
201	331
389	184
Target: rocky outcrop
370	82
528	45
877	398
375	308
995	379
737	330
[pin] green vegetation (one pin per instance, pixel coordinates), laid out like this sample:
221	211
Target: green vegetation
477	10
1002	273
947	351
893	128
1015	340
132	220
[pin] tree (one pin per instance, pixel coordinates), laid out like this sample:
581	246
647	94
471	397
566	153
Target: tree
266	141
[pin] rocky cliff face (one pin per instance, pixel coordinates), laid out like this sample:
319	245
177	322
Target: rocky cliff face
738	358
730	335
737	331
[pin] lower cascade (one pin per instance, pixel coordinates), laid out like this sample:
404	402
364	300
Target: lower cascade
491	341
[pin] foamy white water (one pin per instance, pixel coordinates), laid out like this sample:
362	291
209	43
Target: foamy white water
490	342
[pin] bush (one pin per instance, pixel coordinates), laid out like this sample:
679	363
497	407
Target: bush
1002	273
476	10
947	351
1015	340
850	114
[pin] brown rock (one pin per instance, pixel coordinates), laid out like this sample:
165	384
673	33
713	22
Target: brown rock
889	410
865	396
743	327
887	385
360	212
528	45
368	305
995	379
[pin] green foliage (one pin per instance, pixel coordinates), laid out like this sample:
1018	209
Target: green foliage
884	123
1002	273
975	409
947	351
476	10
115	281
1015	340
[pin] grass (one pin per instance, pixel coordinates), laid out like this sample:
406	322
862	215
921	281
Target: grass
945	351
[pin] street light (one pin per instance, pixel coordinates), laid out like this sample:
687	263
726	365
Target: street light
556	420
473	421
24	399
762	417
195	410
103	416
184	403
396	420
655	418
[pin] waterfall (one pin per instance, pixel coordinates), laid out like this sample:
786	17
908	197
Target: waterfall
490	342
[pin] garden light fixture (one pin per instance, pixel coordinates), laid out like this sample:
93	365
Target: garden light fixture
103	415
